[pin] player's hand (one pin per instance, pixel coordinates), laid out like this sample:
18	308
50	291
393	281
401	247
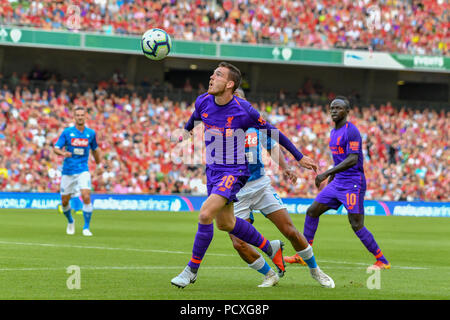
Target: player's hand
319	179
289	173
67	154
308	163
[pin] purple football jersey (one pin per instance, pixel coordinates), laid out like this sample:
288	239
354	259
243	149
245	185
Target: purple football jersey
344	141
225	127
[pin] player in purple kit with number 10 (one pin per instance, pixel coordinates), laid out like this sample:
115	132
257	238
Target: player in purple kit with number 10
346	183
226	117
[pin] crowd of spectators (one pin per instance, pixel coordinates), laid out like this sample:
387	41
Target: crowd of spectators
404	26
406	151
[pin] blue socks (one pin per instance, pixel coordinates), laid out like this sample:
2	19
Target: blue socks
308	256
67	212
260	265
87	214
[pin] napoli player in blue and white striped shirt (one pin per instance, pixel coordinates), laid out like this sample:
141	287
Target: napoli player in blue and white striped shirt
259	195
74	145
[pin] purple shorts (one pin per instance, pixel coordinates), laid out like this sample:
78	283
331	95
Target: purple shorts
225	183
350	195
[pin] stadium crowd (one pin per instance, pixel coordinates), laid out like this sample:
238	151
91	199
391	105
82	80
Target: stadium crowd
406	151
404	26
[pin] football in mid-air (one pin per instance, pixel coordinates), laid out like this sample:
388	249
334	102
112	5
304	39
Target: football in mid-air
156	44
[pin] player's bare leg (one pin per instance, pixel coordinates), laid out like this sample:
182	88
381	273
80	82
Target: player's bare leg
357	222
304	250
87	211
65	202
255	261
314	211
283	222
275	252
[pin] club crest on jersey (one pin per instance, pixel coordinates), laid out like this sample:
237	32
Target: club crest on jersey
251	140
229	120
79	142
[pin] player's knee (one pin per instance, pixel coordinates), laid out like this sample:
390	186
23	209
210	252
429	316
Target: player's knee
312	212
224	225
205	217
356	225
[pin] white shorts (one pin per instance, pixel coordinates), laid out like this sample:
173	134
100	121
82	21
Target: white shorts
74	183
265	199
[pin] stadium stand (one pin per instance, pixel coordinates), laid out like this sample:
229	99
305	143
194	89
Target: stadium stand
406	150
415	27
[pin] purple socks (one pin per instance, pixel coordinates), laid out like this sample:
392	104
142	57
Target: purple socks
202	240
369	241
310	228
246	232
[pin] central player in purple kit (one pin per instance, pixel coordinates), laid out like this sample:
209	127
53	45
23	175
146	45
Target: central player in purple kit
346	183
226	118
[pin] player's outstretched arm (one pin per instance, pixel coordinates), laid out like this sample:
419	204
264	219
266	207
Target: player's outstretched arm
278	156
348	162
274	133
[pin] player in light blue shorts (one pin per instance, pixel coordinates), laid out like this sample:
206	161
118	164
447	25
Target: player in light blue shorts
258	194
74	145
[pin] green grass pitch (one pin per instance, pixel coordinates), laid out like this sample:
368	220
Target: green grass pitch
134	255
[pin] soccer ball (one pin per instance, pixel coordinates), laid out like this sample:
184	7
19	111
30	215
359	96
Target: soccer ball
156	44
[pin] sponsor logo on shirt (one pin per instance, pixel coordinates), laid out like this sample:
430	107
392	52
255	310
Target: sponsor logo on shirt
251	140
354	145
79	142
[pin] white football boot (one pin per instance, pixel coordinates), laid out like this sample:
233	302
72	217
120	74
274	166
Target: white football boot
71	228
87	233
322	278
184	278
270	280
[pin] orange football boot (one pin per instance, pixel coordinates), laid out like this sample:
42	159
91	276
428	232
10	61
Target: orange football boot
294	259
379	266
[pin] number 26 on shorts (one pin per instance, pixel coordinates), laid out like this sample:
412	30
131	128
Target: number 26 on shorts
228	181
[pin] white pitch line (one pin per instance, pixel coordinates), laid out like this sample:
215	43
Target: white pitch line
180	252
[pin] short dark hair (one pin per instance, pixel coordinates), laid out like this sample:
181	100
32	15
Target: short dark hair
233	75
78	108
343	98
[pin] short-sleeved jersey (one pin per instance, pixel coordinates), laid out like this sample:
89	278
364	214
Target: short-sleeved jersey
225	127
254	142
78	143
344	141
